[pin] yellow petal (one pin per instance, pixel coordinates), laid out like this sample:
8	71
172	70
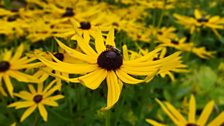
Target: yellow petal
192	110
110	38
18	53
127	78
8	84
125	52
27	112
154	123
114	89
23	77
76	54
32	89
93	79
7	55
218	121
24	95
49	86
86	47
197	14
99	42
57	97
21	104
50	103
167	111
68	67
43	112
177	114
206	113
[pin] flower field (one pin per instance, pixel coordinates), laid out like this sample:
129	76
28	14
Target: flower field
111	63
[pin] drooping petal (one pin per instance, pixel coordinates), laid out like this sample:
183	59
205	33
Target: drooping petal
127	78
93	79
192	110
43	112
8	84
28	112
114	89
206	113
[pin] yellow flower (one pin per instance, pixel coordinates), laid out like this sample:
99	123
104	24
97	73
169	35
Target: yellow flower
10	66
179	120
106	63
37	99
182	45
200	20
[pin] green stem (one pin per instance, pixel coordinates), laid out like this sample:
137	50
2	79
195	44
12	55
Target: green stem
107	121
162	14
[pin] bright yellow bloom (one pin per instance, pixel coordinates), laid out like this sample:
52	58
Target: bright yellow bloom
37	99
106	63
200	20
182	45
179	120
10	66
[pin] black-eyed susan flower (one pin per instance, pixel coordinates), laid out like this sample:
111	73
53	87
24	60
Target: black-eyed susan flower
38	98
182	45
11	65
200	20
179	120
106	63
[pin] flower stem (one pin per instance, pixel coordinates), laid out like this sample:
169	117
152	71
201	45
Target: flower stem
107	118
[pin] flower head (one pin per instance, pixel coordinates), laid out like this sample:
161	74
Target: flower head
11	66
106	63
179	120
37	99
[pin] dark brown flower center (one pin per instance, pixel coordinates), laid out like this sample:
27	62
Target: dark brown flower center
191	124
69	12
174	42
59	56
12	18
202	19
85	25
111	59
4	66
37	98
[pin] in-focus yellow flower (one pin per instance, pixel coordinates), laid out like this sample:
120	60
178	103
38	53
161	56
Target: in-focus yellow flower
10	66
37	99
179	120
106	63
